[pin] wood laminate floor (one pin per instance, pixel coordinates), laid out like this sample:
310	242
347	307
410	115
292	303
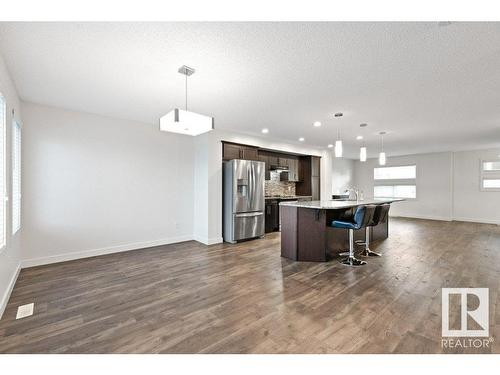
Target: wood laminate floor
244	298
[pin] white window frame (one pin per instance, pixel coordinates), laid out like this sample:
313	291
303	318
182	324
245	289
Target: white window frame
488	175
3	176
397	181
16	126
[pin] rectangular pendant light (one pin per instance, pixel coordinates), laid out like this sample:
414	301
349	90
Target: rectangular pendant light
362	154
186	122
183	121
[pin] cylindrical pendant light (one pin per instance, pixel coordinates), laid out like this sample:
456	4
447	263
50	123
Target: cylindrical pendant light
381	158
362	154
381	155
338	142
338	149
362	149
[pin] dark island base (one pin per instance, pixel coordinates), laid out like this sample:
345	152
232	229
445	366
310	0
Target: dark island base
306	234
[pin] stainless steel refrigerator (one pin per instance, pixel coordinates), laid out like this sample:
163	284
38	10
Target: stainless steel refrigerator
243	199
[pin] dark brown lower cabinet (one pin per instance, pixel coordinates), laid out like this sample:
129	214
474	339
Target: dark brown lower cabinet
272	216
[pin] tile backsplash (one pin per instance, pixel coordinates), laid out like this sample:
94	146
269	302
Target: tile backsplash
275	187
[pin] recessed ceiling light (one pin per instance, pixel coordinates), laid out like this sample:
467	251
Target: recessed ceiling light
359	137
265	130
330	145
317	124
301	139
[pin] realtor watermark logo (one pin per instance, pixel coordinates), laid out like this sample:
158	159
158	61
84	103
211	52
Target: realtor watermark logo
470	310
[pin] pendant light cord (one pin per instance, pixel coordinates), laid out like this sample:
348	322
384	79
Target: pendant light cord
186	92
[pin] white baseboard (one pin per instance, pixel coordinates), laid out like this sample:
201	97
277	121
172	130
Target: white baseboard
215	240
8	291
106	250
425	217
442	218
208	241
476	220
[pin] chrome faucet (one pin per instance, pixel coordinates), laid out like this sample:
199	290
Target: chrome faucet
355	193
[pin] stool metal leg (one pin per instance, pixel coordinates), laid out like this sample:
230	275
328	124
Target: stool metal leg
351	260
367	252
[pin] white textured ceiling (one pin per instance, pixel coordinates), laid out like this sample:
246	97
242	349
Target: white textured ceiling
431	88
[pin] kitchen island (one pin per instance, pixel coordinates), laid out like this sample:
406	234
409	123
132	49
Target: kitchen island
306	234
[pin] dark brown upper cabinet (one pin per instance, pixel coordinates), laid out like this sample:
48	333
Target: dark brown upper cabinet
265	158
250	153
315	162
309	184
315	188
231	151
283	161
294	170
273	160
235	151
299	169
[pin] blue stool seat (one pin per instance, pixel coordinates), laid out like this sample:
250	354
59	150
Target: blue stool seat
362	217
357	223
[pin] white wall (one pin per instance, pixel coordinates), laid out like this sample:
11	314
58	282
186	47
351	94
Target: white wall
201	197
469	202
448	186
434	184
10	254
94	184
342	175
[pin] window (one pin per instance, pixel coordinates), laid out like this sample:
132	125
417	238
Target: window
395	182
490	175
395	173
395	191
16	176
491	165
491	183
3	194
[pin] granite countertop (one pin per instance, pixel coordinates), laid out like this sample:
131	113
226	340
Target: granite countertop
288	196
338	204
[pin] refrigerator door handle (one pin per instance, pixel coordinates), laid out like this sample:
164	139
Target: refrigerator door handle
250	214
251	182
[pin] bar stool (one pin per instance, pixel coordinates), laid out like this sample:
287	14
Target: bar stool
362	216
380	216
